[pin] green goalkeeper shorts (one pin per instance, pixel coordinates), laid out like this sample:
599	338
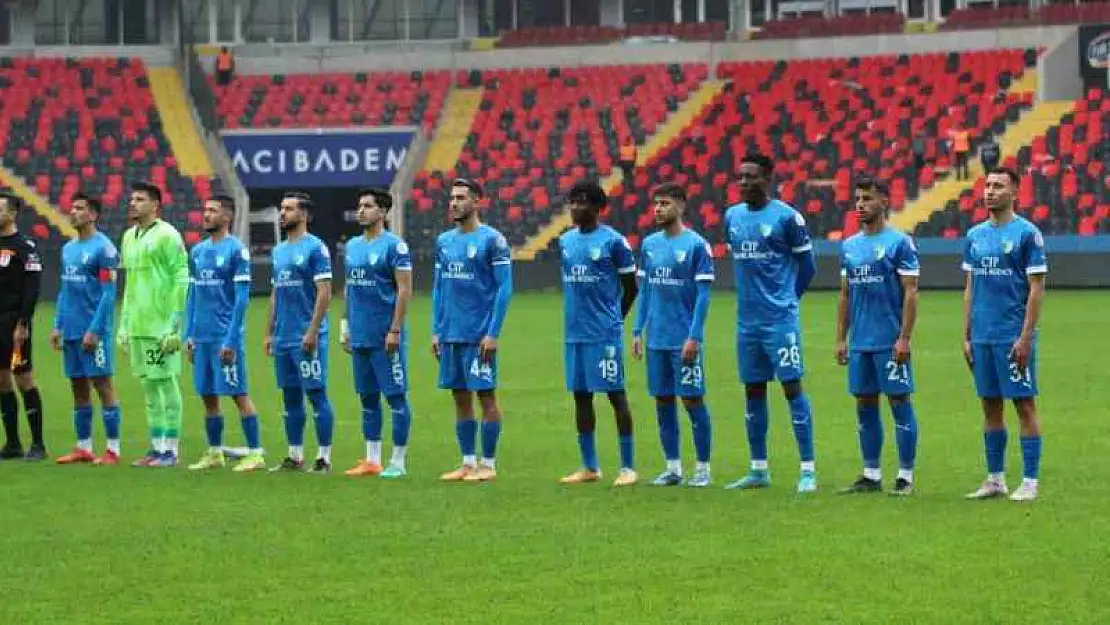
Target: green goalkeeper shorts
149	361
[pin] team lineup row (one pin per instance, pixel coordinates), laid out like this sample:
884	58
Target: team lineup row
193	303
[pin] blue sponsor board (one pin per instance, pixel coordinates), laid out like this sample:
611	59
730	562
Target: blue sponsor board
300	159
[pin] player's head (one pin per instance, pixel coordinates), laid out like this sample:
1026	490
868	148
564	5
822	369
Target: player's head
585	201
755	178
84	210
1000	188
373	207
465	195
872	200
10	205
669	200
219	210
296	210
146	200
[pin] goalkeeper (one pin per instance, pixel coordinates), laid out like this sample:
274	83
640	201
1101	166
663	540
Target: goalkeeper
157	277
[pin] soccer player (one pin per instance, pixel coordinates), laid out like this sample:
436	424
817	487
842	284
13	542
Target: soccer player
472	287
772	259
153	318
219	293
676	271
83	317
297	332
878	305
378	289
599	288
20	273
1005	263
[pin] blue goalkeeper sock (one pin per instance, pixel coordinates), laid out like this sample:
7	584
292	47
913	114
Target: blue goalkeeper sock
295	416
214	428
587	445
82	425
1031	456
491	432
703	430
466	430
905	433
371	417
803	426
402	419
755	421
870	435
994	442
250	432
323	417
111	417
628	460
666	413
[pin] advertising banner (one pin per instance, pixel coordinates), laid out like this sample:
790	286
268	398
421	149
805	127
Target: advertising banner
1094	55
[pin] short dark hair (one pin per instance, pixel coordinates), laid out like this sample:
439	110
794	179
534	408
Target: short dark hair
304	200
474	186
589	192
226	202
872	184
765	163
1015	179
154	192
669	190
382	197
14	201
94	204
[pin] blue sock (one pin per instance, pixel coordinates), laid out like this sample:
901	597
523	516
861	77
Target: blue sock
250	431
1031	456
905	433
491	431
322	416
703	431
82	422
870	434
755	420
465	431
627	452
994	441
110	415
666	413
588	447
214	428
371	417
402	419
803	426
294	415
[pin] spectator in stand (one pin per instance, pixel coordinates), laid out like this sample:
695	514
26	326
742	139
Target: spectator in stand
627	159
919	148
225	67
990	154
961	145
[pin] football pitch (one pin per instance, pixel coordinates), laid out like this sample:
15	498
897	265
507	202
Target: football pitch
125	545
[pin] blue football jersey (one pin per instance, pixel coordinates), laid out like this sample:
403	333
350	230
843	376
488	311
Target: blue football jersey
465	282
371	287
671	267
763	243
298	266
88	268
214	269
873	266
592	265
1000	260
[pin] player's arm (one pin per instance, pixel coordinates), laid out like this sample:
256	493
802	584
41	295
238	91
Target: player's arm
843	321
106	306
643	312
124	331
966	265
321	276
176	265
234	335
437	312
1036	266
909	272
503	279
32	278
703	278
402	277
625	262
269	340
801	247
190	301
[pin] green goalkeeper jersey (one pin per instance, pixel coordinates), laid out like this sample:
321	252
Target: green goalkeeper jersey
157	279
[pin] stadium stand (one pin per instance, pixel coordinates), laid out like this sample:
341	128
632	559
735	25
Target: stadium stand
595	35
92	125
978	17
821	26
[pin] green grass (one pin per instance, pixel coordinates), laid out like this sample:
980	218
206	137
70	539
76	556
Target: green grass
130	546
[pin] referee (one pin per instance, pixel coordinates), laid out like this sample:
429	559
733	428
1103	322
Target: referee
20	271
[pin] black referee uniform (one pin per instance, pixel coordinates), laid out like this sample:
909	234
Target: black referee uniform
20	274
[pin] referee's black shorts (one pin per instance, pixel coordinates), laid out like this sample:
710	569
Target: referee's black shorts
19	361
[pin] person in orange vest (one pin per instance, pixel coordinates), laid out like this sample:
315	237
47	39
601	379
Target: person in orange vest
961	146
627	158
225	67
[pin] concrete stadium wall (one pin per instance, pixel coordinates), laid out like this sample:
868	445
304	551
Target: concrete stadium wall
1058	70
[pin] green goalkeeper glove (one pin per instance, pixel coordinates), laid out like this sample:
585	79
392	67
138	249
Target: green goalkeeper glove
123	339
171	341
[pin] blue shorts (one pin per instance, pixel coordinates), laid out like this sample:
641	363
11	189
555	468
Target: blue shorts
997	376
211	377
82	364
668	376
297	369
460	368
594	367
378	372
767	355
871	373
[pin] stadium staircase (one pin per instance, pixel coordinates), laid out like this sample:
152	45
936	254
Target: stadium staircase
174	107
48	212
454	127
689	111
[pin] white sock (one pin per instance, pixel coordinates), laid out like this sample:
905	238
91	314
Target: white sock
997	477
675	466
85	444
470	461
906	474
809	466
489	462
399	453
296	452
1029	481
374	452
256	450
759	465
158	445
702	466
871	474
113	445
171	445
324	452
